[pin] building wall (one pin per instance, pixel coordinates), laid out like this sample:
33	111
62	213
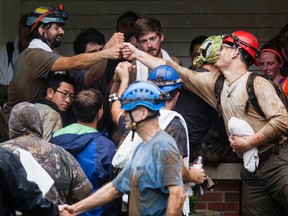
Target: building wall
181	20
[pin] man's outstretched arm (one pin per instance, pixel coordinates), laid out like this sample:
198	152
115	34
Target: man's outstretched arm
101	197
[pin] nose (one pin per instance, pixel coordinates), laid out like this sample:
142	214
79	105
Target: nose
68	100
61	30
149	43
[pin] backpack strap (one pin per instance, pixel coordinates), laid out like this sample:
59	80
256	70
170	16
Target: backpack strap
251	95
10	49
217	91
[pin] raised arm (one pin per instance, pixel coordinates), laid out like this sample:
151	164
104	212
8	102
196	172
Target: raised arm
120	83
96	71
131	53
85	60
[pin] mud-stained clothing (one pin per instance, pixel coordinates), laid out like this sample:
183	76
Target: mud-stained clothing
175	129
30	77
233	102
70	182
50	117
266	191
153	167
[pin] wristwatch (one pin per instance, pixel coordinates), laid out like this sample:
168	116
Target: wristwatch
114	97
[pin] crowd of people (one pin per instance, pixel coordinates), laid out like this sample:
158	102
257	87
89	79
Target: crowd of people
114	129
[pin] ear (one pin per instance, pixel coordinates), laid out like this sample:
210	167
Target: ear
162	37
49	93
41	30
144	113
100	114
235	53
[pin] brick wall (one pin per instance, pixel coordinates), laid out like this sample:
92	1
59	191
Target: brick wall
224	199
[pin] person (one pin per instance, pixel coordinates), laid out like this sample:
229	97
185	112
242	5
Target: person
125	23
17	193
167	79
9	53
149	34
46	32
283	41
194	47
88	41
92	150
271	63
152	177
59	97
207	133
263	192
70	182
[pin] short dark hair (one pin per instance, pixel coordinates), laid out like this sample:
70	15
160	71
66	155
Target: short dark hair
145	25
56	79
90	35
197	40
87	104
125	15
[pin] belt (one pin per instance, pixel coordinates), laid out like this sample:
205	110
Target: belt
272	151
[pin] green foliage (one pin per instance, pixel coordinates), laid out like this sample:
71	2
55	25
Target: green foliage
193	203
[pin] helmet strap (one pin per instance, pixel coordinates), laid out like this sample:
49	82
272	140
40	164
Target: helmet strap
134	124
39	19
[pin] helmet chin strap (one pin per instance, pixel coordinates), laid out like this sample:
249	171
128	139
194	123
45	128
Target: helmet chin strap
134	124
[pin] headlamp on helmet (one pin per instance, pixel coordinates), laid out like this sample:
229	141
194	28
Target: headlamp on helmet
144	94
46	15
244	40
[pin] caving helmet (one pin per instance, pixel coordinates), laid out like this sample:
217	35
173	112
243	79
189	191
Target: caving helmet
166	78
244	40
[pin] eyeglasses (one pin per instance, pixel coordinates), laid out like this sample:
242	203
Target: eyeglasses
65	95
227	47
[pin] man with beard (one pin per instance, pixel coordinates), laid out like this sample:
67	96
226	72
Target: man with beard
148	32
38	61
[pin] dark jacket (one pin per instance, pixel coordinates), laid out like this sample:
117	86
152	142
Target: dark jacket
17	193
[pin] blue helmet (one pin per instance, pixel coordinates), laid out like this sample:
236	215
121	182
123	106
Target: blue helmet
143	93
165	77
46	15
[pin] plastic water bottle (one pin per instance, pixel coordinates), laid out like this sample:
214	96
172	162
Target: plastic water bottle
198	162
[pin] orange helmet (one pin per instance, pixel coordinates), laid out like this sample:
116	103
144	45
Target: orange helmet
245	40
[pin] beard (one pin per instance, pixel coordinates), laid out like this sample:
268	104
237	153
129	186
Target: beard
55	43
52	41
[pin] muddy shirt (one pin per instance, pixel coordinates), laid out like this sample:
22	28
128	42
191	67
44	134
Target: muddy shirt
233	102
70	182
153	166
30	77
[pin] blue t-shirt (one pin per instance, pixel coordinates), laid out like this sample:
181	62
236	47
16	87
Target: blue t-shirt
153	166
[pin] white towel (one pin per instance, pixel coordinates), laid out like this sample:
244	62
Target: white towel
142	70
239	127
35	172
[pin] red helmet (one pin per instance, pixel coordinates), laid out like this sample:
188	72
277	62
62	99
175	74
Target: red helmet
245	40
